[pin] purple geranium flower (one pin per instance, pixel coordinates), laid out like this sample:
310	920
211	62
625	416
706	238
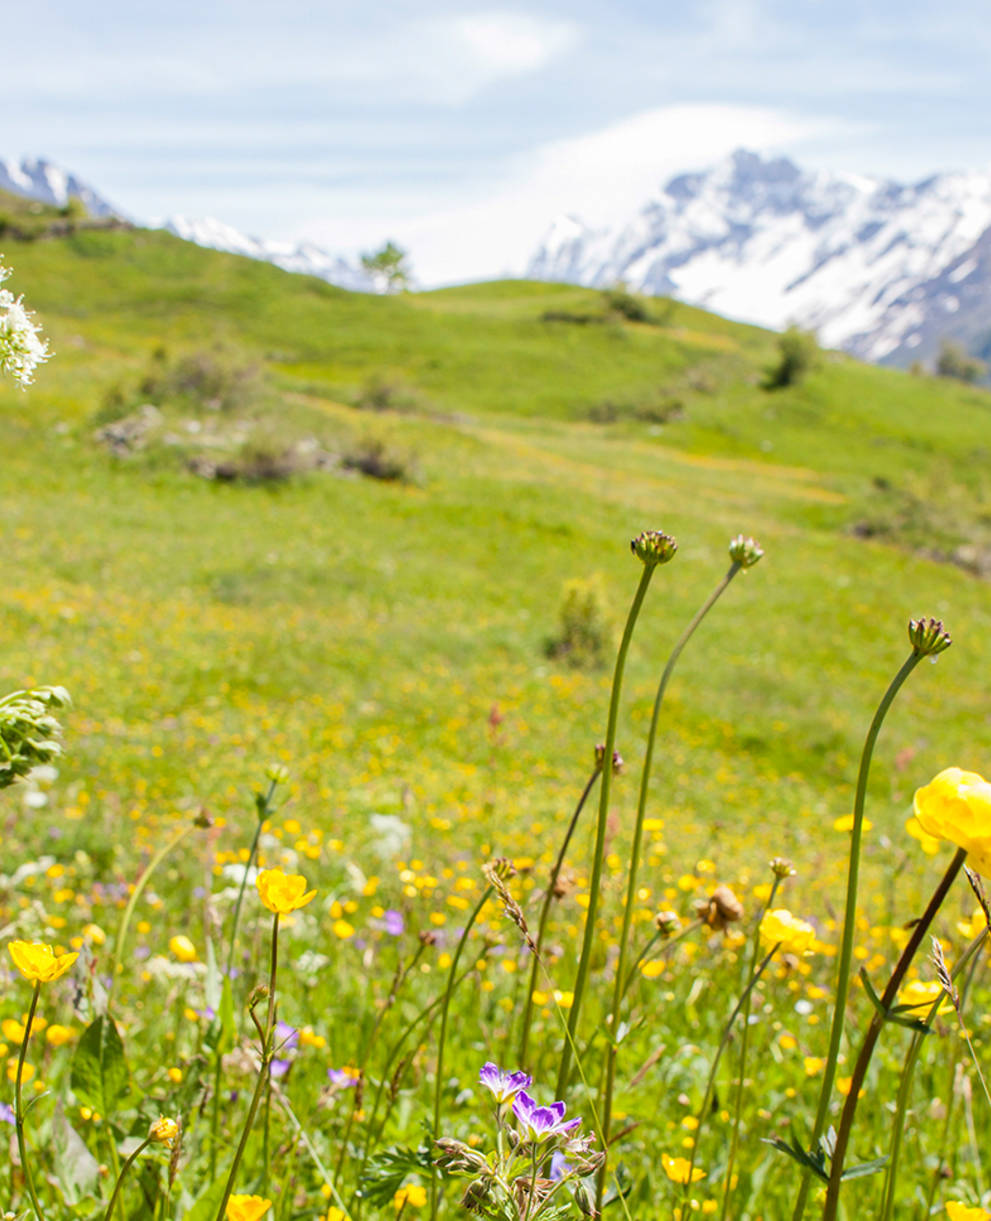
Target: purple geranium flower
7	1114
342	1078
286	1036
542	1122
504	1086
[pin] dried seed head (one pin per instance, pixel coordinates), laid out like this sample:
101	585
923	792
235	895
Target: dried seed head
721	908
928	636
667	923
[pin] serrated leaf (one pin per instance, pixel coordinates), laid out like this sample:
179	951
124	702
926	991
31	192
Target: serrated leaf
387	1170
100	1077
815	1164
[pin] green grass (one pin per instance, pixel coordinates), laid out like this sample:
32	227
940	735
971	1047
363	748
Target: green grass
386	641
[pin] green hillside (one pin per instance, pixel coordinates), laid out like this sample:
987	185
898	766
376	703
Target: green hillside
363	630
250	518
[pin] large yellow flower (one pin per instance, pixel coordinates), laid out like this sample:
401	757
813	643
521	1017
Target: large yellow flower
677	1169
247	1208
965	1212
283	892
39	962
956	805
780	927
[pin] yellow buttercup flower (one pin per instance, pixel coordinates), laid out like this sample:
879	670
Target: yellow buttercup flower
677	1168
956	805
39	962
182	948
780	927
414	1195
283	892
966	1212
247	1208
921	994
164	1131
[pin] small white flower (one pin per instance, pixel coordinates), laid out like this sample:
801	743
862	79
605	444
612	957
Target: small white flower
21	347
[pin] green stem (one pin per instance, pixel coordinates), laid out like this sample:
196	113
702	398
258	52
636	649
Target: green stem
631	882
263	806
595	881
120	1178
905	1080
738	1110
19	1106
132	903
874	1031
710	1083
849	928
266	1060
442	1041
545	912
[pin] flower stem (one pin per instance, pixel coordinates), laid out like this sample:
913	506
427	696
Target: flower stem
107	1216
442	1040
595	881
874	1031
545	912
268	1044
19	1106
631	882
849	926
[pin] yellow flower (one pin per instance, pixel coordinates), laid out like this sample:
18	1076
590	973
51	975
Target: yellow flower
182	948
58	1036
163	1131
929	844
845	823
781	927
965	1212
677	1168
414	1195
956	805
336	1214
247	1208
283	892
813	1065
920	994
39	962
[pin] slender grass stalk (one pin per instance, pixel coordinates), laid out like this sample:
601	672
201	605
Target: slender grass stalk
263	810
874	1031
132	903
741	1072
308	1145
967	959
669	943
268	1044
595	882
22	1150
612	1050
108	1215
849	926
545	908
724	1040
442	1041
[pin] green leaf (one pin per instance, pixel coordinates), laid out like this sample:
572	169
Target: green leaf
205	1206
100	1077
815	1164
864	1169
388	1170
78	1169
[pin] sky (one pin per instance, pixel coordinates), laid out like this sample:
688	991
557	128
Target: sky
460	130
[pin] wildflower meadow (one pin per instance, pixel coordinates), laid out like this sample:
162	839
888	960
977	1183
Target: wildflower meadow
519	943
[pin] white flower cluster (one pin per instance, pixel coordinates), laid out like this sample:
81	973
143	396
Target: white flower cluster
21	347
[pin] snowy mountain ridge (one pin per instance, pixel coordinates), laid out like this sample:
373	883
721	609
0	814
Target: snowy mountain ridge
882	269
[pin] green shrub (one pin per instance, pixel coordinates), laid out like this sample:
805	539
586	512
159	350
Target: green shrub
956	362
585	633
798	354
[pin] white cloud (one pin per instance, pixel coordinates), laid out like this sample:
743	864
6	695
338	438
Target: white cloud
505	44
603	176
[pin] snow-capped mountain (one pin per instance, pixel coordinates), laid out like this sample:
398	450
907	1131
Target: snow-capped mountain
306	258
41	180
885	270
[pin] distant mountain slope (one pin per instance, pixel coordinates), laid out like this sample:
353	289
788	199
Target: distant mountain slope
883	270
38	179
305	258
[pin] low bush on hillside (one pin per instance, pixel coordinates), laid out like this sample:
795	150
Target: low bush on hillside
585	630
798	354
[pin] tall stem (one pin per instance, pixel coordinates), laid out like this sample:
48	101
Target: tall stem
268	1041
631	882
849	927
595	881
107	1216
19	1106
545	908
445	1008
874	1031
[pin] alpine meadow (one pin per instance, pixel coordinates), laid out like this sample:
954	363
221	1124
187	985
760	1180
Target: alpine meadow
511	750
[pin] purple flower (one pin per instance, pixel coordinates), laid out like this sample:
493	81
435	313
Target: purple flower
343	1078
542	1122
278	1068
560	1166
393	922
504	1086
7	1114
286	1036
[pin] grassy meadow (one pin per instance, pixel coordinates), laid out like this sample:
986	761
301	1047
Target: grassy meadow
222	589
